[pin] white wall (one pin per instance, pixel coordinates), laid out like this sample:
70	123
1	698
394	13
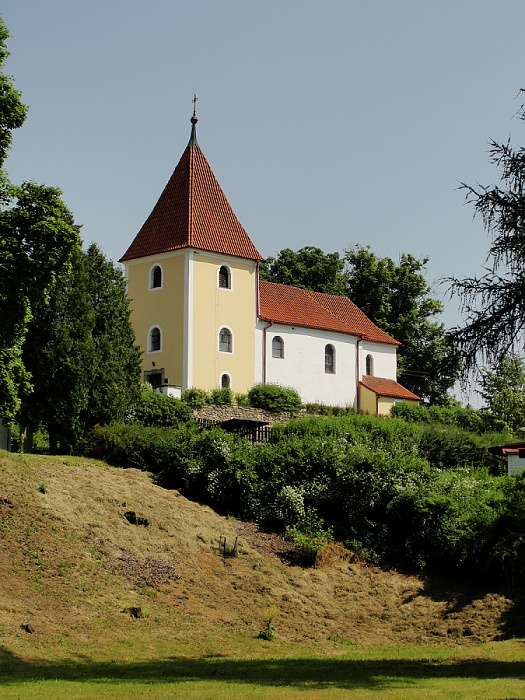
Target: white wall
515	464
384	359
170	390
303	364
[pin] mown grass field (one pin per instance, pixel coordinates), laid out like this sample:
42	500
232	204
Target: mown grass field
71	565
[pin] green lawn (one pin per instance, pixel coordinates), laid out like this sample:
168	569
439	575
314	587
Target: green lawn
492	671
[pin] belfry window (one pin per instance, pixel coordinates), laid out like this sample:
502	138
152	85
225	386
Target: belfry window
225	340
155	277
329	359
224	277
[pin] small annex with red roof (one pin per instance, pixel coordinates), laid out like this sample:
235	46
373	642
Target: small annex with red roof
514	453
205	320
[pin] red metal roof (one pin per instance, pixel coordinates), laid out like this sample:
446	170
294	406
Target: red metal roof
293	306
387	387
192	212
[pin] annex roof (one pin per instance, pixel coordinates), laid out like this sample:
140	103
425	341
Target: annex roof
387	387
293	306
512	448
192	212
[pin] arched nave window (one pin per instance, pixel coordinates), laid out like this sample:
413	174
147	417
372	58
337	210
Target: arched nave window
277	347
329	359
369	365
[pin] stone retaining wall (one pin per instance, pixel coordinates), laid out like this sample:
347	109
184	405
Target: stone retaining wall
222	413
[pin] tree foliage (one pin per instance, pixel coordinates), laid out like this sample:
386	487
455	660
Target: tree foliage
494	303
396	298
37	239
81	351
12	110
308	268
503	390
37	236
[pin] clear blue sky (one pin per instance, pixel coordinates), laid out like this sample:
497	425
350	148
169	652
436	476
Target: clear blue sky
328	123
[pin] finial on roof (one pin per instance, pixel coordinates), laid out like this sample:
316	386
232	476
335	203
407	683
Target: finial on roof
194	120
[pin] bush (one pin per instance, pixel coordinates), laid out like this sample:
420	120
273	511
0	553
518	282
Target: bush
157	410
468	418
452	448
309	536
272	397
196	398
222	397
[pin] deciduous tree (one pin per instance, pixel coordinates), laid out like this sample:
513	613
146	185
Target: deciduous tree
396	297
37	236
308	268
503	389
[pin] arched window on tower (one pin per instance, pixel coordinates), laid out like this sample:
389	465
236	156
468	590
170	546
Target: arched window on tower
225	381
224	277
277	347
369	365
155	277
154	339
329	359
225	340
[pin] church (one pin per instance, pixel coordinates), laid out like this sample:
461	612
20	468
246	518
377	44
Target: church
205	320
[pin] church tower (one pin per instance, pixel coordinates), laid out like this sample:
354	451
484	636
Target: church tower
192	274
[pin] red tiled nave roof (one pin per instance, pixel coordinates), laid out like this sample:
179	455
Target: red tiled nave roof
293	306
192	212
387	387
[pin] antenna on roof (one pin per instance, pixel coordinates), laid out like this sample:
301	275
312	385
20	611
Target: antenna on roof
194	120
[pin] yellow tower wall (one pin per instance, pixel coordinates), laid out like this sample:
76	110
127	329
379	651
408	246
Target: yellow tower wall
213	308
162	307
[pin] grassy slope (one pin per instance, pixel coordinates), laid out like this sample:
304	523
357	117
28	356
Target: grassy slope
71	563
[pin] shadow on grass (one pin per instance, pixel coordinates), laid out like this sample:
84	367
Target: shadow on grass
311	673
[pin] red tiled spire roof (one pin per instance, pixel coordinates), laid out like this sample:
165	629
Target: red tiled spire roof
387	387
192	212
293	306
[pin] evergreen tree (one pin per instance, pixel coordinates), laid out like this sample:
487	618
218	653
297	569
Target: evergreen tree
80	350
494	303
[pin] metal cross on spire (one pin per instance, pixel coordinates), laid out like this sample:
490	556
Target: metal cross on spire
194	120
